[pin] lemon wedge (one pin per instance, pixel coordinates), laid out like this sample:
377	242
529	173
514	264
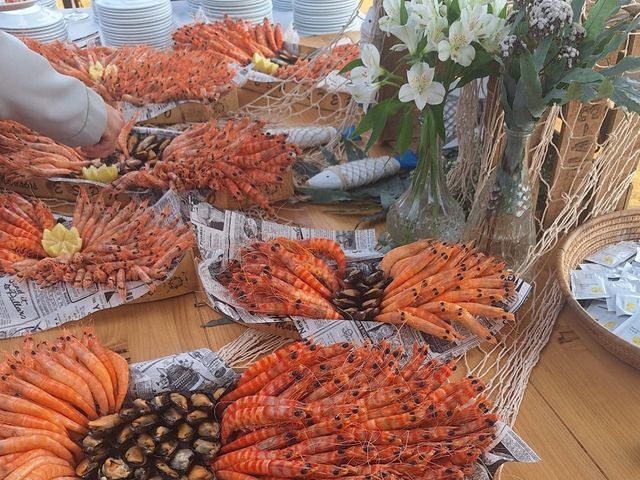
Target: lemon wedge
263	64
96	71
60	240
103	174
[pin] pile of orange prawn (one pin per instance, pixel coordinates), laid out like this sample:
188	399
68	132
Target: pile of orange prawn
238	158
119	244
235	40
25	154
142	74
319	66
48	395
309	411
435	284
21	225
287	277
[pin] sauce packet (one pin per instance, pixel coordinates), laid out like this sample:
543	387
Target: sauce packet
609	320
630	330
587	285
601	270
627	303
614	255
630	271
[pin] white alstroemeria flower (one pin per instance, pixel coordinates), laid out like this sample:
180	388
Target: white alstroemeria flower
491	43
427	10
457	46
392	17
421	88
363	92
409	34
371	59
474	20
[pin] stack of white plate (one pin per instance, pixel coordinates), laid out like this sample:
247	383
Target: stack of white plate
312	17
283	5
253	11
192	6
136	22
48	4
35	22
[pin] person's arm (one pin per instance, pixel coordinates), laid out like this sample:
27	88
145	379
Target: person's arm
59	106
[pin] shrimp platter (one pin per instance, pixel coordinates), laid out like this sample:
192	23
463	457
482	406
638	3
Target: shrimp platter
107	245
371	412
436	285
50	396
287	277
237	157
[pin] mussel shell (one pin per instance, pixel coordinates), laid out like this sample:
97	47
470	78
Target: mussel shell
160	433
371	313
100	453
206	448
87	469
373	293
124	435
359	316
198	472
129	413
144	423
182	460
179	402
171	417
209	430
90	443
353	275
350	293
345	302
115	469
374	277
196	417
160	402
143	406
103	426
142	473
135	456
185	433
373	303
146	443
167	448
201	401
217	393
166	471
384	283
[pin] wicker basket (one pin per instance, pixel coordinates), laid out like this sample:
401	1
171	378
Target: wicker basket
584	241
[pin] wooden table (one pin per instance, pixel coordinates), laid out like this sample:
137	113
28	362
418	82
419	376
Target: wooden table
581	412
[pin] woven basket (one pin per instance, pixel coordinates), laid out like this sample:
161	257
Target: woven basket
584	241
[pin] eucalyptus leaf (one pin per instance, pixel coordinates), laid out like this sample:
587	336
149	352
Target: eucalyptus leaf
626	93
598	16
577	6
529	73
627	64
351	65
573	92
582	75
540	54
521	116
605	89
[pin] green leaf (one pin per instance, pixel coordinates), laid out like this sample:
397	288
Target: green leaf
506	106
453	11
626	93
437	112
529	74
573	92
522	117
627	64
588	92
598	16
381	122
405	132
370	118
540	54
605	90
582	75
351	65
404	14
576	6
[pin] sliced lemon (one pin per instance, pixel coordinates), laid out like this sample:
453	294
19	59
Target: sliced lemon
103	174
264	65
60	240
96	71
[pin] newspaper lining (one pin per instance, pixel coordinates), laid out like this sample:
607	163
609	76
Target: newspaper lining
26	308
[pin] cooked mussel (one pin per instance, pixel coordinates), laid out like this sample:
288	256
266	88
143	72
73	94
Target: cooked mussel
179	402
100	453
160	402
135	456
160	433
182	459
125	434
142	473
166	471
196	417
198	472
167	448
171	417
103	426
87	469
129	413
185	433
143	406
209	430
206	448
90	443
115	469
375	277
146	443
144	423
201	401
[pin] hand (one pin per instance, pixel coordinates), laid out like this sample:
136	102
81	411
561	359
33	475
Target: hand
107	143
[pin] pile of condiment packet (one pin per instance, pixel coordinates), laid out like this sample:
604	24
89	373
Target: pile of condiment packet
608	286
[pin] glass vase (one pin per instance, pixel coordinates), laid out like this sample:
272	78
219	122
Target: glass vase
501	221
426	209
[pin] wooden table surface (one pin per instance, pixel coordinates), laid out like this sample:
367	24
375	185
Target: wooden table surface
581	411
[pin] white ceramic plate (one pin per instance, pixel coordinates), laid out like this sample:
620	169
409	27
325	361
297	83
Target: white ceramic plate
7	7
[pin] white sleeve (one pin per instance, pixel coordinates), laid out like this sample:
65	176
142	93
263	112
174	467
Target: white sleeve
34	94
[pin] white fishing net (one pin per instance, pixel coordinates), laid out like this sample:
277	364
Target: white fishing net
592	186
